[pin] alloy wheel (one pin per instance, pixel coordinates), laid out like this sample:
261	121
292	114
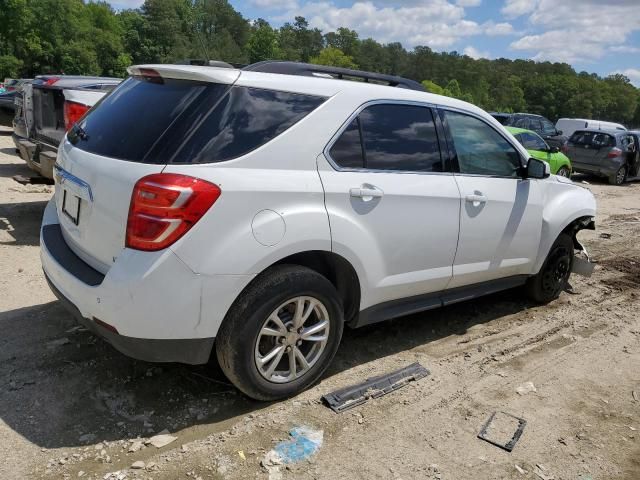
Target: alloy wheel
292	339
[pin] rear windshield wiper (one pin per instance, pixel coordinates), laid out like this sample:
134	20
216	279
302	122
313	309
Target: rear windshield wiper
79	132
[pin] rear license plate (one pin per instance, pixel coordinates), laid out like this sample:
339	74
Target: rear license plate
71	206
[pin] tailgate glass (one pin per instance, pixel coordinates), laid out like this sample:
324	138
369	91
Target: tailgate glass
160	121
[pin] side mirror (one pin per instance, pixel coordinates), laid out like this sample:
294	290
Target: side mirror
554	150
537	169
558	132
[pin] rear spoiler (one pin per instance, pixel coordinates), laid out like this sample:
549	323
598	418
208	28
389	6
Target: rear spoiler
226	76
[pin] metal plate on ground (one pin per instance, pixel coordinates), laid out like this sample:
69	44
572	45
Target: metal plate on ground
374	387
503	430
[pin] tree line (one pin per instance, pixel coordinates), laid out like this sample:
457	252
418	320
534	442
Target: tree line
91	38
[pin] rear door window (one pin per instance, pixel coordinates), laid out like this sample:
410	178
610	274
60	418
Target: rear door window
347	150
390	137
400	137
183	121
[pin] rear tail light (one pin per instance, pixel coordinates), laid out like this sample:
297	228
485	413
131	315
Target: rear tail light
614	153
164	206
565	148
72	113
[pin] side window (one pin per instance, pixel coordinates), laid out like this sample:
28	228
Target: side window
581	138
522	122
347	151
394	137
535	125
548	128
533	142
480	149
400	137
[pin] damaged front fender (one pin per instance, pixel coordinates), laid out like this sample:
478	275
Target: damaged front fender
582	263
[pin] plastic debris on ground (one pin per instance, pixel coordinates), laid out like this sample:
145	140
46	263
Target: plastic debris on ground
502	430
304	443
349	397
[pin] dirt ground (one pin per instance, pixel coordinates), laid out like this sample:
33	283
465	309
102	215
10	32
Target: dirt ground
71	406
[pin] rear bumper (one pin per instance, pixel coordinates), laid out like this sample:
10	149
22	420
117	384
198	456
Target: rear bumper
39	157
193	351
152	300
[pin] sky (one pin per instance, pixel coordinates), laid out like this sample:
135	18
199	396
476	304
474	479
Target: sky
601	36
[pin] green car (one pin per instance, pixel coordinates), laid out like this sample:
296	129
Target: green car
538	148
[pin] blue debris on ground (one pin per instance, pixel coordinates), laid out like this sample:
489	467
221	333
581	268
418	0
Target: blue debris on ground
304	443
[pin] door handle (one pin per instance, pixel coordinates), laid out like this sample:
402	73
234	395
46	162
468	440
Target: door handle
366	193
476	199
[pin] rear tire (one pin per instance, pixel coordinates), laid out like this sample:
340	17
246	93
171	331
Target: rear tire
564	172
272	321
620	176
553	277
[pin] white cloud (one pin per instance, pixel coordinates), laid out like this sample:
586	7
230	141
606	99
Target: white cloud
495	29
578	30
439	24
125	4
624	49
436	23
632	74
475	53
517	8
275	4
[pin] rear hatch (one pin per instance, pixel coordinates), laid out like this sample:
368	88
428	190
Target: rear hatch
48	114
49	98
145	123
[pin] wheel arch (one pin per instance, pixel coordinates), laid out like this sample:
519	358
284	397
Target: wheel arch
337	269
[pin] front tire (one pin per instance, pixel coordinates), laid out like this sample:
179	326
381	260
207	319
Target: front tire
281	334
553	277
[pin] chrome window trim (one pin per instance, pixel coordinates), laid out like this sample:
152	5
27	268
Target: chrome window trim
345	125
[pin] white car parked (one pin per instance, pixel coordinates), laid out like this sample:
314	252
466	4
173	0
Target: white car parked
253	214
569	125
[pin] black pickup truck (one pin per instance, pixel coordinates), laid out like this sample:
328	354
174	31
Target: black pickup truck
46	108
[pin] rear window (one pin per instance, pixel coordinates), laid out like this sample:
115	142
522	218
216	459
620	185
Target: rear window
182	121
595	139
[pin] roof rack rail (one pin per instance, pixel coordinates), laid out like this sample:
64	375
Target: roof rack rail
209	63
311	70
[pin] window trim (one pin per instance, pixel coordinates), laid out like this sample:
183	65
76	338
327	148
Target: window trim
434	111
454	159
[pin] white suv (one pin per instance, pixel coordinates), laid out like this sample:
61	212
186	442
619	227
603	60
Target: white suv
253	214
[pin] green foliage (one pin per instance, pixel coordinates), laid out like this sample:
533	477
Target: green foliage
89	37
333	57
9	67
433	87
263	43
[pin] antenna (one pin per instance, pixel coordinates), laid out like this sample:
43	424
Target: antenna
198	34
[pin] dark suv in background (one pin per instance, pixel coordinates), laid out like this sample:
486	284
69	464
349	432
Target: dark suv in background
606	153
539	124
